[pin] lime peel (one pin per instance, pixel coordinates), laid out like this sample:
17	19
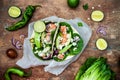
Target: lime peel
73	3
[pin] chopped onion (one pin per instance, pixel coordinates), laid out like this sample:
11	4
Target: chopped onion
55	52
102	30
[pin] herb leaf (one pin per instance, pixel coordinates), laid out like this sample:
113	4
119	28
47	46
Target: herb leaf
85	6
80	24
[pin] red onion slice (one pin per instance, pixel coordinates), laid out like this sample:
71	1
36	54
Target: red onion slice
13	41
22	36
16	43
101	30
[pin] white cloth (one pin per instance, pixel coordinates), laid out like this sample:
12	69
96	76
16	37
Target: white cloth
29	60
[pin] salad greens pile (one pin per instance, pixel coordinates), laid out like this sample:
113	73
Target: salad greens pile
58	41
95	69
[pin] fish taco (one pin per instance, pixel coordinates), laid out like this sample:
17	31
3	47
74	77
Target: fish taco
58	41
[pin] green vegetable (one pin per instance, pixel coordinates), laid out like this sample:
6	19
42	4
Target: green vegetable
85	66
26	17
85	6
17	71
14	11
95	69
80	24
37	39
76	49
73	3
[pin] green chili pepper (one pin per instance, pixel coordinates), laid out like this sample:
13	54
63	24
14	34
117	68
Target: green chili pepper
26	17
17	71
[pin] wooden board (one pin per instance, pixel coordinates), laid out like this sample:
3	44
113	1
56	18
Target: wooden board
60	8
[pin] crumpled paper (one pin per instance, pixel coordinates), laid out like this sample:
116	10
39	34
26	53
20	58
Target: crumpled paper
29	60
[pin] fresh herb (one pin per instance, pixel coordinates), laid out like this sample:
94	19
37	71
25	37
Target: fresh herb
85	6
80	24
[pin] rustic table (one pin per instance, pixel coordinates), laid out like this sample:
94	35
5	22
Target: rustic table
111	22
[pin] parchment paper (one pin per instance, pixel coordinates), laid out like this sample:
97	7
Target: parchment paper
29	60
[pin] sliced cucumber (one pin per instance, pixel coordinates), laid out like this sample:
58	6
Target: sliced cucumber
37	39
39	26
14	11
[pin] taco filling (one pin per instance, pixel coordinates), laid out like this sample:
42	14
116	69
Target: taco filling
43	41
67	40
59	41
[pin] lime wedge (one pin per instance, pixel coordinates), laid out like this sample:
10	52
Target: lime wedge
97	15
101	44
14	11
39	26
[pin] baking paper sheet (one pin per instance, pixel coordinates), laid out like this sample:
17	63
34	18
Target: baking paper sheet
29	60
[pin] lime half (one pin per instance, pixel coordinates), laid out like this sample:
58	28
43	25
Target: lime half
97	15
39	26
101	44
14	11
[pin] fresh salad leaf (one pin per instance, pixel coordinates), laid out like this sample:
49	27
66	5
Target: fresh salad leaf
85	66
76	49
95	69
